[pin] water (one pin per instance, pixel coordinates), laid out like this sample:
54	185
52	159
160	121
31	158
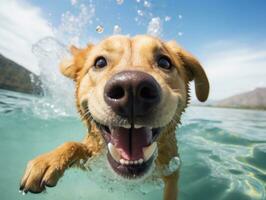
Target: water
223	154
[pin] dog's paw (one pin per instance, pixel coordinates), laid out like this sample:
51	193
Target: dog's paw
43	171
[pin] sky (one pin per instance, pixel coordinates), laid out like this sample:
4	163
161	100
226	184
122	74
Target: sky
228	37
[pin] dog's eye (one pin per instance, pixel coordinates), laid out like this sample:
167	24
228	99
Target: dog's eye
100	62
164	62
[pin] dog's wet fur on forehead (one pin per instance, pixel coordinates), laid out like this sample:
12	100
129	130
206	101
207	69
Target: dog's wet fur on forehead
130	92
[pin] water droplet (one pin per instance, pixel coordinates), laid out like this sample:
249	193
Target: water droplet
140	12
155	27
180	16
81	161
167	18
119	2
147	4
180	33
174	164
74	2
137	1
99	29
117	30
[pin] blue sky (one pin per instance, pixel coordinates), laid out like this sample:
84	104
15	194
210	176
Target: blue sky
228	37
202	21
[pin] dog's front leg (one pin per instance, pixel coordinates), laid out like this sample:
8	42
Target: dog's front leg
167	150
171	186
46	169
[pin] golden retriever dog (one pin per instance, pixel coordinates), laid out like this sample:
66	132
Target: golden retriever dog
130	92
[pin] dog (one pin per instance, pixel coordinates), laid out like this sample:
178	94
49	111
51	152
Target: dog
130	92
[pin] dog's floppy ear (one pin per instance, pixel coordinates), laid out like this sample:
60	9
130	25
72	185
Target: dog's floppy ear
194	71
70	66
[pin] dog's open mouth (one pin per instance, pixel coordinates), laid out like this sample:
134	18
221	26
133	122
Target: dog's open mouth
131	151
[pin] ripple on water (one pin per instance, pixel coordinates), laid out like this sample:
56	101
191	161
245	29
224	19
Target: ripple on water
258	157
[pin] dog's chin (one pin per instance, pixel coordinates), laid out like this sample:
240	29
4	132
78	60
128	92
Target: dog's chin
131	151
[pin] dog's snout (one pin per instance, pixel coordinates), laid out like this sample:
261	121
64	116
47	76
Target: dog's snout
132	93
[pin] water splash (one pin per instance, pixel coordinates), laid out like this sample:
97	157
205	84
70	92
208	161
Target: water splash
155	27
73	26
58	99
108	180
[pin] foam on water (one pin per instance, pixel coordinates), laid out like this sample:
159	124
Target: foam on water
100	171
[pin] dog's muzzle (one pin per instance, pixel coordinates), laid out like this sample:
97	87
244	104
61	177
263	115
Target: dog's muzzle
132	149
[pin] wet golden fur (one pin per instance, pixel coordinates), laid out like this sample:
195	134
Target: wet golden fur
123	53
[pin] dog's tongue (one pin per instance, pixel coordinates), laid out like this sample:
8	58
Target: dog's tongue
129	142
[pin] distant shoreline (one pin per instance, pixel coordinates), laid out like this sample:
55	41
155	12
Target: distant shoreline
232	107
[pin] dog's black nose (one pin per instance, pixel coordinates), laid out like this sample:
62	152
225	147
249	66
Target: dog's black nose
132	93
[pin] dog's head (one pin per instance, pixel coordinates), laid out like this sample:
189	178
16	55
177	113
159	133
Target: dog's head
133	88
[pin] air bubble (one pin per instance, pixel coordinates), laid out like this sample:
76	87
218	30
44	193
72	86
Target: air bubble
99	29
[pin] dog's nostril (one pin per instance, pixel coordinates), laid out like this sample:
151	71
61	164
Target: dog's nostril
148	93
117	92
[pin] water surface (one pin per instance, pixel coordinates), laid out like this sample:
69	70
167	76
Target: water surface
223	153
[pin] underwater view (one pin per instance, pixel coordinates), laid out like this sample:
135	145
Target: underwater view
222	151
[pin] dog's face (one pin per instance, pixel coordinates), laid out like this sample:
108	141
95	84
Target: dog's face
133	88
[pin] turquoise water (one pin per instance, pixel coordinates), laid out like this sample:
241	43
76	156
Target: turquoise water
223	153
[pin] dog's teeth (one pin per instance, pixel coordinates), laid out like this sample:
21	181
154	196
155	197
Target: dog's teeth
127	126
131	162
140	161
149	151
113	151
137	126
